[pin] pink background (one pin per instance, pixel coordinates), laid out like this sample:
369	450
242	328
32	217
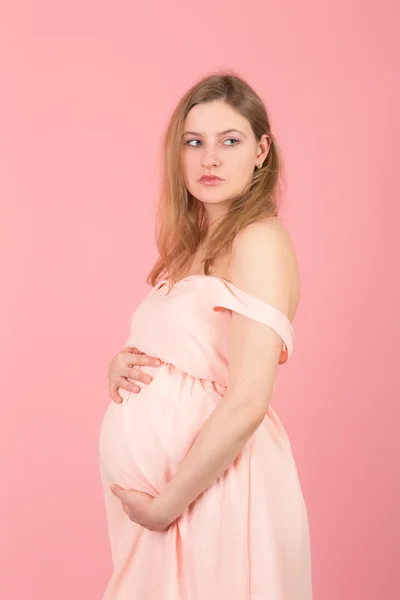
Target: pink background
86	91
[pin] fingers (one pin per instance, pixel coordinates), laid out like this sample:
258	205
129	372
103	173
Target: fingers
136	357
125	385
121	382
139	375
145	360
115	396
122	370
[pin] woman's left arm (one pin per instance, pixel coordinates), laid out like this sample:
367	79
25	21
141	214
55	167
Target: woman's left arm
261	265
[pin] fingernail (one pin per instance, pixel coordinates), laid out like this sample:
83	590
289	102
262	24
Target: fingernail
147	379
158	363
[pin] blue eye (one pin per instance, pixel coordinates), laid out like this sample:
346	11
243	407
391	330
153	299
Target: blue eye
189	142
232	140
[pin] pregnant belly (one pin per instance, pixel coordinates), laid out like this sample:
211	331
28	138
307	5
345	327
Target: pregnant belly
143	440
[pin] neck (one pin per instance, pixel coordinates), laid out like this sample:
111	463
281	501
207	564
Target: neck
215	214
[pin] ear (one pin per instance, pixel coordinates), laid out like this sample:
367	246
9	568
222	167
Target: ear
263	147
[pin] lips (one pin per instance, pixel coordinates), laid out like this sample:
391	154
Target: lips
210	178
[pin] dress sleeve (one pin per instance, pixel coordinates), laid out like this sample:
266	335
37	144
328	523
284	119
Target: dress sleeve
232	298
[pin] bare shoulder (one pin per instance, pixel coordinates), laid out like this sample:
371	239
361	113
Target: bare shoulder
266	231
264	263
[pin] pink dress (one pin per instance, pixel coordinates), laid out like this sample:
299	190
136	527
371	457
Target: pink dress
247	536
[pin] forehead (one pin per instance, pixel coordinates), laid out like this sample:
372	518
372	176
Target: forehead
213	117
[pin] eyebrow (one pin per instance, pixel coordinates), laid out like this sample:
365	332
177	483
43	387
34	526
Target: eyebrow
220	133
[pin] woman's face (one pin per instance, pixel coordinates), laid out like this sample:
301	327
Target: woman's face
219	141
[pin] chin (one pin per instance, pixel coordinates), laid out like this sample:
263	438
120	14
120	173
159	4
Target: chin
211	195
212	199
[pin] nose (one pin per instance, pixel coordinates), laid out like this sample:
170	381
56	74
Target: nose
210	158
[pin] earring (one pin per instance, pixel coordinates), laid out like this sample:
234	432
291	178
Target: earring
260	165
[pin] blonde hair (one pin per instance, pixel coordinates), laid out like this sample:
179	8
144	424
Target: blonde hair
181	221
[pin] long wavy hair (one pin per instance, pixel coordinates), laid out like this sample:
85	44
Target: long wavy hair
181	220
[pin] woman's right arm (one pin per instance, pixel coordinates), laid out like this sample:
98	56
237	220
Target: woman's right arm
122	367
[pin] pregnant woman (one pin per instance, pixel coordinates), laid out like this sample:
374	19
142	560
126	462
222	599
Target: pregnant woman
202	495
